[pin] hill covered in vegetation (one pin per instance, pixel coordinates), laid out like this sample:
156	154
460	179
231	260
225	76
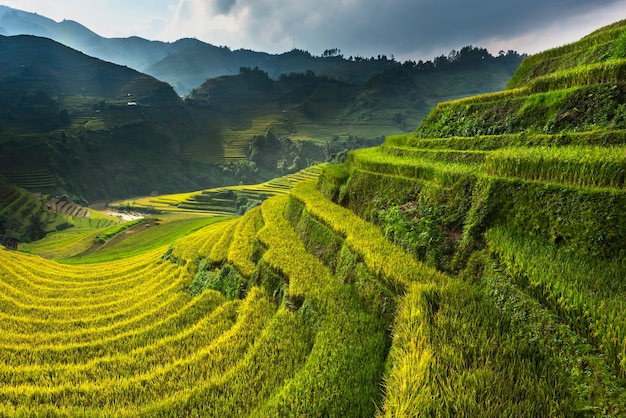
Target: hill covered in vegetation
85	127
97	131
473	267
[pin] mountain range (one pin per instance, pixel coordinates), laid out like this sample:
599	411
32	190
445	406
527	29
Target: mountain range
184	64
74	122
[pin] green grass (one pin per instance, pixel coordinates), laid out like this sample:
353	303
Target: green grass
376	160
221	201
240	251
596	47
586	292
166	233
62	244
493	142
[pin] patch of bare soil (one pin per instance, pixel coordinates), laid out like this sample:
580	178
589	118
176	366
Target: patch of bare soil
129	233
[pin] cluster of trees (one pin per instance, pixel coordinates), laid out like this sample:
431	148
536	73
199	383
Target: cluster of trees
333	52
256	79
466	58
284	156
467	55
471	55
25	225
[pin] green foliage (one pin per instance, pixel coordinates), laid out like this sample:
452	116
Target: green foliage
226	280
385	260
331	179
417	231
588	107
619	46
22	216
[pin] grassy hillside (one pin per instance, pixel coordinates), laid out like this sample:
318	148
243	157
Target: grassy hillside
519	196
226	200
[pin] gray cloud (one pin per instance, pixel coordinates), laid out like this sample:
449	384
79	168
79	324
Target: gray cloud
224	6
416	28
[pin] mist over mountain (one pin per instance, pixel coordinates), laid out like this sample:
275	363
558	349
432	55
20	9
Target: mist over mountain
186	63
134	52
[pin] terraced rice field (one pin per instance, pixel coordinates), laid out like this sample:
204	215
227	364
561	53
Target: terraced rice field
468	269
222	200
31	180
129	338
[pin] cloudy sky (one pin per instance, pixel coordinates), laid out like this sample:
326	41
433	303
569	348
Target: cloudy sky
407	29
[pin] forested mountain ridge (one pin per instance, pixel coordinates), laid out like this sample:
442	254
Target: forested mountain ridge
185	63
84	124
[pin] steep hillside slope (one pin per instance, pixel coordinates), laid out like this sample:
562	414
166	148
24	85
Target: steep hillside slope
521	194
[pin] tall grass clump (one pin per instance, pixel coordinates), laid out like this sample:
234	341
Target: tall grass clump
375	160
578	166
586	292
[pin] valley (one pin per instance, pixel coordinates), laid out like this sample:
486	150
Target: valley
304	251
